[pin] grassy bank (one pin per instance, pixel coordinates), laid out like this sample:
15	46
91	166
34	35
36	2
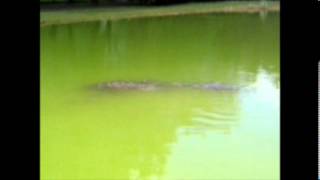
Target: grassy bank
76	15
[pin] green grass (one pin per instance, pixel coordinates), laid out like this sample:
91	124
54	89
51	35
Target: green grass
66	16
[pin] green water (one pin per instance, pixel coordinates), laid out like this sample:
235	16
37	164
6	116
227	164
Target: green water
168	135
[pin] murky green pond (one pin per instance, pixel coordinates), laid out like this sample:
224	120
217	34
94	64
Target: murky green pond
168	135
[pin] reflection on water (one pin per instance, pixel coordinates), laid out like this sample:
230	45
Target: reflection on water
242	143
180	134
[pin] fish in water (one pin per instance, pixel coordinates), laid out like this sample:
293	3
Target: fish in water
154	86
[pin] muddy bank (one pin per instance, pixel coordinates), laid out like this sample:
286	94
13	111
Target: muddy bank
78	15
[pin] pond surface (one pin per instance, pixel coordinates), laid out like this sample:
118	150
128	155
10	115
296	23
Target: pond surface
168	135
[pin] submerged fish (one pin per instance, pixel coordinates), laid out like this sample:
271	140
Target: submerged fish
154	86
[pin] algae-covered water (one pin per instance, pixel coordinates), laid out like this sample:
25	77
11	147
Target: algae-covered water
168	135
